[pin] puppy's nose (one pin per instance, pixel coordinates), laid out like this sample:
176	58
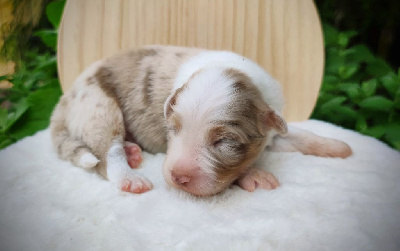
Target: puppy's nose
180	178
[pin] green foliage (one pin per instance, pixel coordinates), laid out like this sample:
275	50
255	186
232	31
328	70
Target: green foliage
26	107
359	91
376	21
29	102
53	12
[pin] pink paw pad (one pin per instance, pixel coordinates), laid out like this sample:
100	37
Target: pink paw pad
133	154
136	186
256	178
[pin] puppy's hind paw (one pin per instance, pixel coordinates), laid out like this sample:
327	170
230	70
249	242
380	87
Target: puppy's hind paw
257	178
135	184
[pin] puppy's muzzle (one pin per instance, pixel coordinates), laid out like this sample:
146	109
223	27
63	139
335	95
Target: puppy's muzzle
189	177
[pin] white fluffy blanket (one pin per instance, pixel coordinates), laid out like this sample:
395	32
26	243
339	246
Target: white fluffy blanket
322	204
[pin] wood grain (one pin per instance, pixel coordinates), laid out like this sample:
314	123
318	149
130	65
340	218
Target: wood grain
283	36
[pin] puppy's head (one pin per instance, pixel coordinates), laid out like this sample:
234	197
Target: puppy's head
218	124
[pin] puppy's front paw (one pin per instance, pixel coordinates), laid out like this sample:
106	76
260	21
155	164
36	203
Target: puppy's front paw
135	184
133	154
257	178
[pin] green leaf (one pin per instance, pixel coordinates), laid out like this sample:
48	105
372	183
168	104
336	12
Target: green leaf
393	130
395	144
330	35
20	108
49	65
328	106
346	112
54	12
330	79
397	99
49	38
346	72
344	38
38	115
350	34
391	83
3	120
5	141
378	68
361	53
352	90
361	124
393	135
377	103
346	52
333	60
369	87
376	131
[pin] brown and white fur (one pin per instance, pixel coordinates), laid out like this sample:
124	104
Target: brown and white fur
212	112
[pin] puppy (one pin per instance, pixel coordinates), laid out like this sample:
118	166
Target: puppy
212	112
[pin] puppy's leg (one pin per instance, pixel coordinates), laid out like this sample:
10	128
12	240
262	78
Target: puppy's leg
298	140
105	135
69	148
119	171
257	178
89	121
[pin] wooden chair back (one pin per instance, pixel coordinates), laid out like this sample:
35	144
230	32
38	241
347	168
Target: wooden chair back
283	36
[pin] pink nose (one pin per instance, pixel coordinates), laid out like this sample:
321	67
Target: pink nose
180	178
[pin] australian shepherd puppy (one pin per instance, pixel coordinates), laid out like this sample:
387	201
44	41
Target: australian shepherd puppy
212	112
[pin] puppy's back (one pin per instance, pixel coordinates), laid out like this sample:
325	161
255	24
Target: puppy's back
140	82
134	84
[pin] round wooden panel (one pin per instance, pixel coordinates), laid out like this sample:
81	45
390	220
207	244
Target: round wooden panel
283	36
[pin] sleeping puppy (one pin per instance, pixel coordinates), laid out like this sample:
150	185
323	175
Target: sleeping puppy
212	112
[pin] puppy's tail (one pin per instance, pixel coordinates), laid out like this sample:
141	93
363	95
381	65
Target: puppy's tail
67	147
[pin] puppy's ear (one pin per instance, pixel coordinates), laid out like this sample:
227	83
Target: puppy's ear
171	100
168	105
274	120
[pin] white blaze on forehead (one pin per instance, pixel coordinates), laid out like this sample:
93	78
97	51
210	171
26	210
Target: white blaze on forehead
202	100
270	88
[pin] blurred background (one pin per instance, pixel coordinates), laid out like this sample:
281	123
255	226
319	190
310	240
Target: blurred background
360	89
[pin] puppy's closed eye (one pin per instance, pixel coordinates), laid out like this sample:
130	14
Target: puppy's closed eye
222	141
219	135
229	146
226	149
225	141
218	142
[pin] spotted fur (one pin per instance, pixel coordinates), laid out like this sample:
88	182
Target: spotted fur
212	112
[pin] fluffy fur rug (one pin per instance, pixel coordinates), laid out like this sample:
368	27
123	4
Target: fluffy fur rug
322	204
